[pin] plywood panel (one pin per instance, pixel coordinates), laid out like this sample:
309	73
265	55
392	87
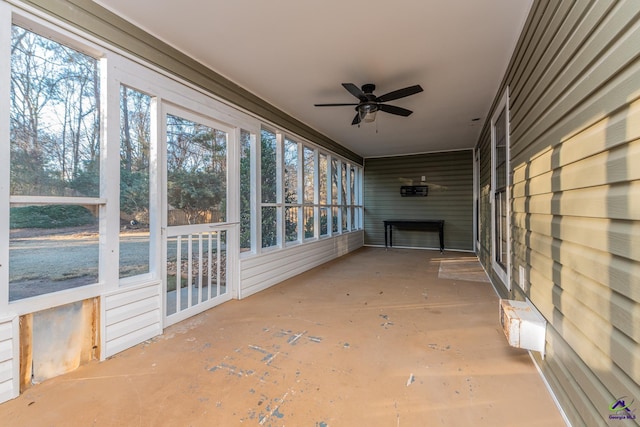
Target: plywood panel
64	338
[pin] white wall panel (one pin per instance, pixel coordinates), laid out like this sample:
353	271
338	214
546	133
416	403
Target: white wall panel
9	358
130	316
263	271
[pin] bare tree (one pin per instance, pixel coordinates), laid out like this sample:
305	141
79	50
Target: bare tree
54	117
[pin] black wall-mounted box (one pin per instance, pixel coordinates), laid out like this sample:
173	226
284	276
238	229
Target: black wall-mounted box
414	190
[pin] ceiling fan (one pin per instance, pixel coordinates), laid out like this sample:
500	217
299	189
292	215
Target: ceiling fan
369	103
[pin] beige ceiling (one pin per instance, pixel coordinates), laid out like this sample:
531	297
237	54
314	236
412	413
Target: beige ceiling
295	53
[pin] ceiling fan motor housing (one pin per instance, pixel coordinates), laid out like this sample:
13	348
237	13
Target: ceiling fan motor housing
368	88
370	105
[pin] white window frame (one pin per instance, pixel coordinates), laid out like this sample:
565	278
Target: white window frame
278	204
476	200
338	196
5	174
201	113
8	17
116	68
120	67
135	77
326	203
254	183
503	273
286	138
313	204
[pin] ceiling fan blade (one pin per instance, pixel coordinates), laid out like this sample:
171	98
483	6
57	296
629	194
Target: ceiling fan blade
356	119
400	93
332	105
394	110
355	91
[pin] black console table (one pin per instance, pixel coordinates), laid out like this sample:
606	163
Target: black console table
414	224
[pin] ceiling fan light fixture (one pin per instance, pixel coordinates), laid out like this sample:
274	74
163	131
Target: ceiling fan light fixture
369	117
368	112
369	103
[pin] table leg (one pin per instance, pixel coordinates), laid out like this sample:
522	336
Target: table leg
385	236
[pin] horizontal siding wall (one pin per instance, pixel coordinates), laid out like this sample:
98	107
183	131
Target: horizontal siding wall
131	316
449	176
574	86
9	359
261	272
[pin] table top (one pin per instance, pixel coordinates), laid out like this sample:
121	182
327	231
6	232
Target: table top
414	221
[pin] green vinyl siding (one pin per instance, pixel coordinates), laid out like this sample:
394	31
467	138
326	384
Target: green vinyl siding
449	176
574	85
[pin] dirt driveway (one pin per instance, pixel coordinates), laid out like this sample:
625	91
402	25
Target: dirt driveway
49	260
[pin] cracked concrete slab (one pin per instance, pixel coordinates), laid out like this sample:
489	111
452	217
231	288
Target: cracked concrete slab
375	338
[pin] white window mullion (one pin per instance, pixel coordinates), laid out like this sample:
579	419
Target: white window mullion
219	262
300	191
189	271
329	196
233	198
254	168
500	266
316	194
348	195
178	273
209	264
200	271
280	209
256	194
157	215
109	253
5	149
360	198
339	191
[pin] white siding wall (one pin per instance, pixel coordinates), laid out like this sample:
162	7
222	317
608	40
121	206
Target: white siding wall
130	316
263	271
9	358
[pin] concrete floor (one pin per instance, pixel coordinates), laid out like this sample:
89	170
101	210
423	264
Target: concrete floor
375	338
